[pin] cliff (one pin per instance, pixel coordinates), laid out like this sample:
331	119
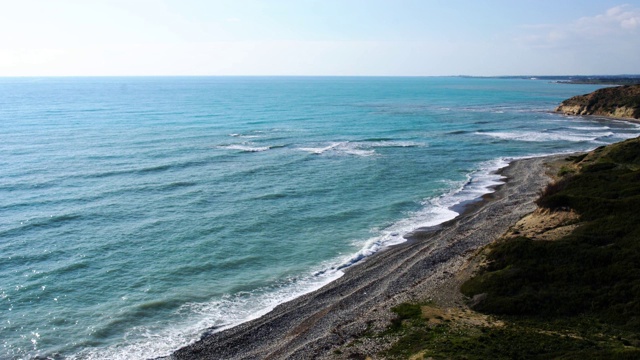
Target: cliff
618	102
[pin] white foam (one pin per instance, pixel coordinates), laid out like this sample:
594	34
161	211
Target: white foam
587	128
245	148
251	135
344	147
320	150
359	152
395	234
245	136
493	109
227	312
434	212
361	148
532	136
625	135
391	143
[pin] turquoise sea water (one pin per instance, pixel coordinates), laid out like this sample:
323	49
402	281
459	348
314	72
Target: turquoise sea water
138	212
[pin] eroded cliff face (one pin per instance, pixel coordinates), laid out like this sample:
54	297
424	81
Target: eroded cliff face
618	102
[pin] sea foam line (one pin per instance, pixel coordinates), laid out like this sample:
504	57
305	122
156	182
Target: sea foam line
245	148
544	136
435	211
232	310
359	148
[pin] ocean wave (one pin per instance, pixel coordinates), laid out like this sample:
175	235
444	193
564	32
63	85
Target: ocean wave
50	221
457	132
272	196
587	128
147	169
245	148
320	150
394	144
177	184
344	147
203	318
435	211
625	135
246	136
377	139
360	148
271	134
530	136
605	135
492	109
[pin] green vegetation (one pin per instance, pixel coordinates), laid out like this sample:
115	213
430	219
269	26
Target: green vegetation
606	101
595	270
405	312
574	298
513	340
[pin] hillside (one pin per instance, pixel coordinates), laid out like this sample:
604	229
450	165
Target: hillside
564	283
617	102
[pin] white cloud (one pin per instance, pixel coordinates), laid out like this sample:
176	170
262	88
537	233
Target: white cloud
627	18
623	17
617	24
606	43
630	23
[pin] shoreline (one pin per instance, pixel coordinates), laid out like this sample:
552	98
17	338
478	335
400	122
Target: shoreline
600	117
314	324
597	117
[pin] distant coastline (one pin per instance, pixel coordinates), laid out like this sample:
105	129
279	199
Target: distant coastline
631	79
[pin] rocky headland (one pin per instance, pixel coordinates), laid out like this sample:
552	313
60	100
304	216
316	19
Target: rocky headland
621	102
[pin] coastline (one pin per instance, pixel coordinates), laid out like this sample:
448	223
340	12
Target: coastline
316	323
600	117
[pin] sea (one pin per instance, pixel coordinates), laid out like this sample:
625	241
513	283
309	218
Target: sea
138	212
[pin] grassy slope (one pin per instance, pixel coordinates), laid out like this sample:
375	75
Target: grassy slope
577	297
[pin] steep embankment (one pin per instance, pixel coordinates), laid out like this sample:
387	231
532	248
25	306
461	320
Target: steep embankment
563	283
594	269
617	102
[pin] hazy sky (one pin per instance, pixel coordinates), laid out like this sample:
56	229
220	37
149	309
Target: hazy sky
318	37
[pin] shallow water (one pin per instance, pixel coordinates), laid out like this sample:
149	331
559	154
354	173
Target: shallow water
137	212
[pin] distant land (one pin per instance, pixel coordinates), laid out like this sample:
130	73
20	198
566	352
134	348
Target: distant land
575	79
621	102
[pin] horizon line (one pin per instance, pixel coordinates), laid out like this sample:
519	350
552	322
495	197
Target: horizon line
326	76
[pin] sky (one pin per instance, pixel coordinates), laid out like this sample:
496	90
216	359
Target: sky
319	37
